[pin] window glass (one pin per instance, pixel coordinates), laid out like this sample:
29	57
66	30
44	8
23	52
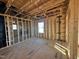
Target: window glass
14	27
41	27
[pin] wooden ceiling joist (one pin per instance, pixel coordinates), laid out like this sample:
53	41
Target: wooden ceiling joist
30	7
25	5
9	3
42	7
31	4
36	5
45	7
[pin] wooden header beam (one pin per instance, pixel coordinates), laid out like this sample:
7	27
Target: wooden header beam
14	17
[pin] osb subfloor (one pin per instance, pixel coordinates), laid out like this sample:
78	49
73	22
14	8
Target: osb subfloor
29	49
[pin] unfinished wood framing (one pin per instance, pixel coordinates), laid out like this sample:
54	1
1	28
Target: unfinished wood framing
26	30
60	19
9	3
19	32
12	20
22	30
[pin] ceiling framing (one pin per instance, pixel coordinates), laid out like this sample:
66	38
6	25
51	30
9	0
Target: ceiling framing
27	8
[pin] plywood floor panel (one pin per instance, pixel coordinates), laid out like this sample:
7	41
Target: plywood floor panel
30	49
